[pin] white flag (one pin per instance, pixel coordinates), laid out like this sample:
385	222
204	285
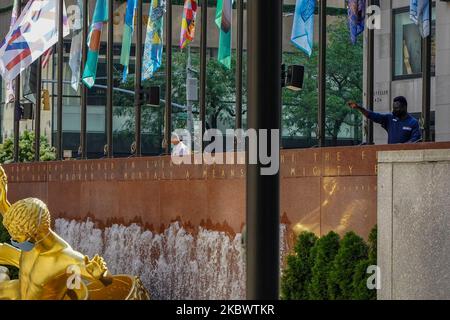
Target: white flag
11	86
34	32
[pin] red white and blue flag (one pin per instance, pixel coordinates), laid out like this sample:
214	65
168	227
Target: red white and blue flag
35	31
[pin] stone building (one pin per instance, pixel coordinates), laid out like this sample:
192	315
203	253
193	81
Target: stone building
398	65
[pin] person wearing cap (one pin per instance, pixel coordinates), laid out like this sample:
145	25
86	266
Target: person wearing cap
178	147
400	125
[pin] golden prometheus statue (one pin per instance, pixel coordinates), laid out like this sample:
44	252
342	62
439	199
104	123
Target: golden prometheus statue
49	269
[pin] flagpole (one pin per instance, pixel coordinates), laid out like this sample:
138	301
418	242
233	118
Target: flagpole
16	128
110	81
322	72
168	117
426	79
59	102
264	112
83	113
239	56
203	62
37	118
370	77
138	80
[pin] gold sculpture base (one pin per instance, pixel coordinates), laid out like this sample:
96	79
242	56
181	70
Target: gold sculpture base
122	287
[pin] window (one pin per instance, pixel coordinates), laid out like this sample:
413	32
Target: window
408	45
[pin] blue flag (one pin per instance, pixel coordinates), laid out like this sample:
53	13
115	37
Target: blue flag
94	39
303	26
356	18
154	40
127	37
419	14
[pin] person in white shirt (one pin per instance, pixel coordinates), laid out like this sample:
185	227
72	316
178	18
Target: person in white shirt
178	147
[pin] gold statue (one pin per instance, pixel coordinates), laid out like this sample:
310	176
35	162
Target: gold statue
49	269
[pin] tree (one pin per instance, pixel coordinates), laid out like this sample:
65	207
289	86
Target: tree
343	83
297	275
326	249
26	149
352	250
220	94
360	290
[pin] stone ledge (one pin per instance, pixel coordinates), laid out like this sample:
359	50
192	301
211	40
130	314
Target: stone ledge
414	156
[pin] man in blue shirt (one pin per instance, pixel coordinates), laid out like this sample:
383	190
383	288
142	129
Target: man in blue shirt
400	125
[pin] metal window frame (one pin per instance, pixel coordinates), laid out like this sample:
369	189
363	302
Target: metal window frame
395	12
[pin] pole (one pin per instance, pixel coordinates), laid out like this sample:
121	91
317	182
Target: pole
322	72
109	90
426	81
83	134
239	56
264	112
37	118
203	62
59	101
16	128
189	79
168	116
138	81
370	77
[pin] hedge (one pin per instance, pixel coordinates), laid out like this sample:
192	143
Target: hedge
329	268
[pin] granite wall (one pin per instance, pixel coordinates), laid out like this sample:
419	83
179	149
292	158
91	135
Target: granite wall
414	224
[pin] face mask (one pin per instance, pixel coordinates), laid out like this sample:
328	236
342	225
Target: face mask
399	113
25	246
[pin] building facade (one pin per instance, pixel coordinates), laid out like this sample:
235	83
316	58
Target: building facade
398	65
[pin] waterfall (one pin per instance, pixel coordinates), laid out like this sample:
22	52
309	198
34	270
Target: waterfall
172	265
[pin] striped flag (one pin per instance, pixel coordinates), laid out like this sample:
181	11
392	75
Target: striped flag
10	86
188	23
94	38
303	27
127	37
154	39
46	57
224	20
35	31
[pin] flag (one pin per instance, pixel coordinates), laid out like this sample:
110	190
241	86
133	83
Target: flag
356	18
94	37
419	14
10	86
224	18
127	37
188	23
34	32
153	42
303	27
76	47
46	57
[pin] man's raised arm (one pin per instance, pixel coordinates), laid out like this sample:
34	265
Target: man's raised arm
374	116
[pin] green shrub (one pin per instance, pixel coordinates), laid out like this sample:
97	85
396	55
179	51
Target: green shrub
297	275
352	250
360	290
26	149
325	251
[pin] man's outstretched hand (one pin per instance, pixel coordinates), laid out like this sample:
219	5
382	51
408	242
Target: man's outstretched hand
353	105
